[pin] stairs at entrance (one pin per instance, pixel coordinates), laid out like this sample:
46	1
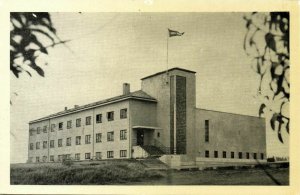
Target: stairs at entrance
153	151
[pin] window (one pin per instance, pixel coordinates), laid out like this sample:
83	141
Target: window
110	136
31	146
123	153
262	156
60	125
31	131
87	139
44	158
38	131
216	154
78	140
51	143
123	113
158	134
88	120
99	118
37	159
206	153
240	155
52	127
110	154
78	122
68	141
224	154
98	155
248	155
232	154
110	116
98	137
69	124
44	144
60	158
254	156
68	156
206	130
52	158
77	156
59	143
87	155
37	145
45	129
123	135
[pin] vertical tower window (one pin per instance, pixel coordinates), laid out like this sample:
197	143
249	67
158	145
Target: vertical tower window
206	130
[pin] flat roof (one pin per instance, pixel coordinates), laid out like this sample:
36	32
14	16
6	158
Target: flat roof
230	113
171	69
138	95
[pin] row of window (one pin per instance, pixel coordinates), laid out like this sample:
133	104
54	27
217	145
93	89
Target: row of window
241	155
109	154
110	137
88	119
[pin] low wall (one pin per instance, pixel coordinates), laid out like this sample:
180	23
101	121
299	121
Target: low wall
223	162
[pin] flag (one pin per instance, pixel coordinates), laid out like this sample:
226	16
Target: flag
173	33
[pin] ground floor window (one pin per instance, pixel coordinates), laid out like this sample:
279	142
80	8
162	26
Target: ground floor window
224	154
206	153
254	156
77	156
59	158
110	154
240	155
123	153
52	158
30	159
68	156
216	154
98	155
248	155
87	155
44	158
37	159
262	156
232	154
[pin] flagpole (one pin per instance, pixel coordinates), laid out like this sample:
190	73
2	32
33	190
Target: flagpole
167	51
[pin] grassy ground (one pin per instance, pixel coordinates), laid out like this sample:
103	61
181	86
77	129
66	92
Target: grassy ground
131	172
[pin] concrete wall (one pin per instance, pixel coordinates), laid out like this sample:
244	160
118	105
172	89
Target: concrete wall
231	133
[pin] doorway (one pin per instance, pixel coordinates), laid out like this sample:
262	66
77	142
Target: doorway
140	138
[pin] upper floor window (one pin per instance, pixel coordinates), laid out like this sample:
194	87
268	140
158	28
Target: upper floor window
52	127
59	143
78	140
37	145
38	131
88	120
45	144
110	116
78	122
87	139
69	124
68	141
45	129
206	130
51	143
99	118
31	131
123	135
123	113
110	136
60	125
31	146
98	137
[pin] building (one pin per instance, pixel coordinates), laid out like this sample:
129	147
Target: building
161	118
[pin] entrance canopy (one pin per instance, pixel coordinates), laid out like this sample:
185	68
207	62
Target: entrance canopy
145	127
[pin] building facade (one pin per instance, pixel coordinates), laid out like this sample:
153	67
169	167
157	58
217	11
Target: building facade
161	117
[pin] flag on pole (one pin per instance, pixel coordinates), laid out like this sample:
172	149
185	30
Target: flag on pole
173	33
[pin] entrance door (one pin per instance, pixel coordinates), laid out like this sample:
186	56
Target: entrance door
140	138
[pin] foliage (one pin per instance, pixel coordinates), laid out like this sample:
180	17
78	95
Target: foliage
267	43
29	34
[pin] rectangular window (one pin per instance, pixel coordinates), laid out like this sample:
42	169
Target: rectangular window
77	156
254	156
69	124
37	145
99	118
216	154
52	158
262	156
88	120
68	156
78	140
206	153
68	141
31	131
110	154
87	155
240	155
78	122
45	129
59	143
123	113
98	155
110	136
87	139
98	137
31	146
110	116
248	155
224	154
38	131
60	125
52	127
123	153
44	158
232	154
37	159
206	130
44	144
60	157
123	135
51	143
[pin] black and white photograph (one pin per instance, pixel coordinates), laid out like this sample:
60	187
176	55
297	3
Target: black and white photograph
150	98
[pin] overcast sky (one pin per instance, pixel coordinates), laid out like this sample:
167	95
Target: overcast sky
108	49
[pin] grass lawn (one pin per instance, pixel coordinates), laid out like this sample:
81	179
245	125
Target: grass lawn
132	172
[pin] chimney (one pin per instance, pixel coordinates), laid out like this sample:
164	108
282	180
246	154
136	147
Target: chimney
66	108
126	88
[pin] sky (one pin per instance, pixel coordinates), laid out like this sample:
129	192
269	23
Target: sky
108	49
